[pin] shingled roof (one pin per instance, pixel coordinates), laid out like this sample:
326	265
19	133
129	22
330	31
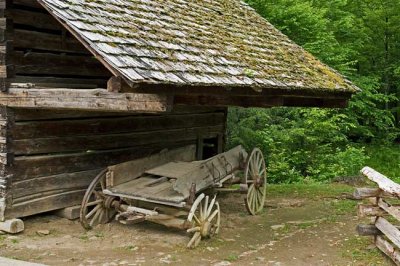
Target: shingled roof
194	42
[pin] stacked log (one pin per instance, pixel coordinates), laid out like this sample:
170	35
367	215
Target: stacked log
383	214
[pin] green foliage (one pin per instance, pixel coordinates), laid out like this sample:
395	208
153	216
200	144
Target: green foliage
362	40
300	144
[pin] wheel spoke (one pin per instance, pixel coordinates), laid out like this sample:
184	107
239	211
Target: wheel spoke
193	240
211	206
96	216
90	214
212	216
197	220
94	203
204	217
193	230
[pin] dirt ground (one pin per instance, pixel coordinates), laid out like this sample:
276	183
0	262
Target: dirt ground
300	226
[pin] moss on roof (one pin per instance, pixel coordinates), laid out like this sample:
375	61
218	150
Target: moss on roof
192	42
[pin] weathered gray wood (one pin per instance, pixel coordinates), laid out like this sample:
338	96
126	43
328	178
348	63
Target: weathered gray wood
368	230
66	181
99	142
70	213
364	193
35	63
99	99
389	230
111	125
364	210
12	226
121	173
388	249
392	210
45	204
29	167
383	182
210	171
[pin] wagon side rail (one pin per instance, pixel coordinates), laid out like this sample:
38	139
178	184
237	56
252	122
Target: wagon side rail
385	217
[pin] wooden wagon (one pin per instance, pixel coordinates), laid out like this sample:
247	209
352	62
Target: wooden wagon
166	189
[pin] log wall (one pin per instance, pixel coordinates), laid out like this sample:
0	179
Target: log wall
46	54
57	154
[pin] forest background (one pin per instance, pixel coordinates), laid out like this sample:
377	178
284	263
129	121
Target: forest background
359	38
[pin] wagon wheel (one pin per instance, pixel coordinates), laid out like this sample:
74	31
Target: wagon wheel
256	180
205	217
96	206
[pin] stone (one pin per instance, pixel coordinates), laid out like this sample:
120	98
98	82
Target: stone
277	227
43	232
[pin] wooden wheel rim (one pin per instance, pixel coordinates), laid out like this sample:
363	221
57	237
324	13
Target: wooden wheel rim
256	179
94	209
205	217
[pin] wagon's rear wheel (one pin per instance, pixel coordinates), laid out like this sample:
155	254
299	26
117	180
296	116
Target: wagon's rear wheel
205	217
96	206
256	180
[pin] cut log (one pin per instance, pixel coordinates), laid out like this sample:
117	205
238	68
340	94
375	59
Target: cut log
383	182
13	226
389	230
368	230
364	210
388	249
364	193
70	213
78	99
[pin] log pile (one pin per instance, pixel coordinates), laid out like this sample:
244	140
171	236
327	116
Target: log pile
385	216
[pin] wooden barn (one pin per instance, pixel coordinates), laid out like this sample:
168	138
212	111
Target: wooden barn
89	83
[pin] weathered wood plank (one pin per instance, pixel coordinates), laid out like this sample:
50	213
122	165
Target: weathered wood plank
121	173
67	181
34	63
383	182
112	125
26	39
58	114
47	203
104	142
388	249
60	82
389	230
35	19
99	99
392	210
29	167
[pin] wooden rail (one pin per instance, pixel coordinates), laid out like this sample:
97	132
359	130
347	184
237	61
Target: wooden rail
385	217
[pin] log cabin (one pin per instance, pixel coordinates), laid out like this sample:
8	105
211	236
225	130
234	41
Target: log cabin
89	83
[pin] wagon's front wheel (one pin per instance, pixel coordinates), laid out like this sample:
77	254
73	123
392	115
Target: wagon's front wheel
256	180
96	206
205	217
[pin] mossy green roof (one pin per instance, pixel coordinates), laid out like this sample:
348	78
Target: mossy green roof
194	42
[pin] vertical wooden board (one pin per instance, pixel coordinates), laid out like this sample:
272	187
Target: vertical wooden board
6	161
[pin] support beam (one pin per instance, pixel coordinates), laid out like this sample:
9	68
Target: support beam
88	100
70	213
258	101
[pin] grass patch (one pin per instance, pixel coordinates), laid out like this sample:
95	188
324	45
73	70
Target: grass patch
309	191
385	159
357	249
232	258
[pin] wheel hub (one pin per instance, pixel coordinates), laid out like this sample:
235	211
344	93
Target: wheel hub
206	229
